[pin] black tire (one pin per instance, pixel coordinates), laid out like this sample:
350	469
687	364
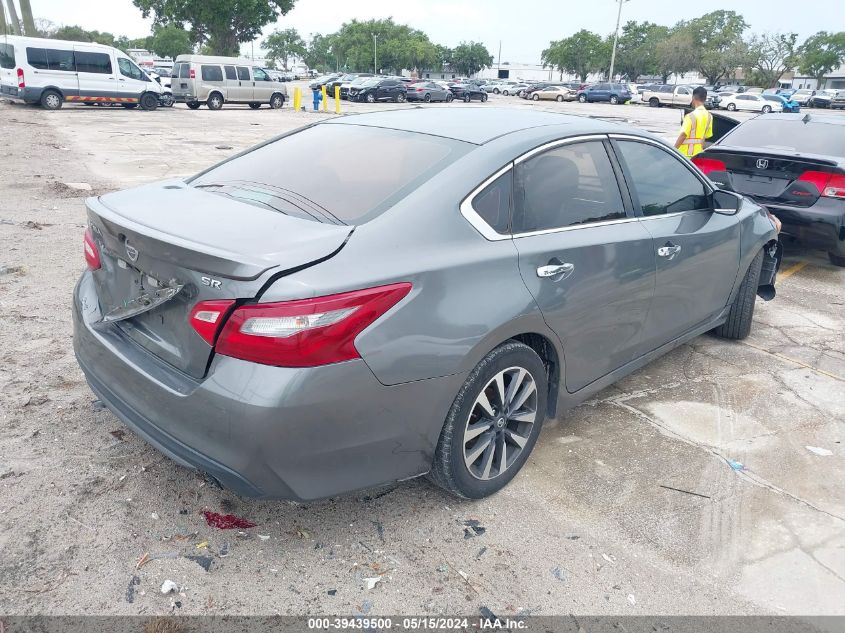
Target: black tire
731	107
614	100
767	109
371	98
495	91
130	106
215	101
836	260
255	106
559	99
484	98
738	324
427	98
277	101
51	100
506	93
167	100
400	98
535	97
654	102
449	97
194	105
467	98
449	470
149	101
582	98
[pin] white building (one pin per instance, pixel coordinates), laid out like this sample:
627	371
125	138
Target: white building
835	79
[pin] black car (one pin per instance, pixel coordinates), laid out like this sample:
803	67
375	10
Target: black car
526	94
380	90
468	92
792	165
321	81
337	81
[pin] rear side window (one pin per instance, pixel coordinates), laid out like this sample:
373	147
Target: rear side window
7	56
93	63
230	73
185	71
566	186
368	170
493	203
211	73
661	181
243	73
60	60
37	58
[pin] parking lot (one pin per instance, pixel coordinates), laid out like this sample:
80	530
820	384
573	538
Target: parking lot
708	482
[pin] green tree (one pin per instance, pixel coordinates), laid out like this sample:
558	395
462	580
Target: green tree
579	54
676	54
770	55
400	47
820	54
169	41
318	53
282	45
78	34
221	25
469	58
636	51
717	37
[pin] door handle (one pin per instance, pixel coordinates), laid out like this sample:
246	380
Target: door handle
121	79
554	270
669	251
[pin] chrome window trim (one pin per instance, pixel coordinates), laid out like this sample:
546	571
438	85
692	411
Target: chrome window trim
487	231
576	227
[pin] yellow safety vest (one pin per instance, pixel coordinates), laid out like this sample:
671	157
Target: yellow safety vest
698	126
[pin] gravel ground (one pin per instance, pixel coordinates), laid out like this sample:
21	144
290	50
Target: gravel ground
592	524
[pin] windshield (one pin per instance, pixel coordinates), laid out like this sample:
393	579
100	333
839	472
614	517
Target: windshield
372	82
814	137
368	171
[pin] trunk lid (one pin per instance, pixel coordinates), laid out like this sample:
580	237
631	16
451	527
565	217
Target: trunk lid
770	177
165	247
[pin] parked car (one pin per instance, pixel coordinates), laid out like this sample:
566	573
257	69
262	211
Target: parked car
802	96
795	167
787	104
275	75
343	79
714	99
428	91
838	102
553	93
322	80
752	102
734	88
753	91
468	92
275	334
379	89
526	92
632	88
610	92
499	86
49	72
514	89
822	98
357	82
165	99
668	96
213	81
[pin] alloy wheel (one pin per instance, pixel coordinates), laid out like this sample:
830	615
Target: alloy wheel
500	423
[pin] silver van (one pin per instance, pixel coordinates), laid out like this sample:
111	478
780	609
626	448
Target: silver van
198	79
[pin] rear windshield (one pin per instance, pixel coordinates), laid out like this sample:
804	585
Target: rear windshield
814	137
367	171
7	56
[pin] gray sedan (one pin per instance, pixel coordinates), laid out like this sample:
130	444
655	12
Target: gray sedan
416	302
428	91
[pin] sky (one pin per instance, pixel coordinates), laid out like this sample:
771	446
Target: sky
524	27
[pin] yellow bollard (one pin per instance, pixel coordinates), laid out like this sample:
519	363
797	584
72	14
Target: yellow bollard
297	99
337	99
325	99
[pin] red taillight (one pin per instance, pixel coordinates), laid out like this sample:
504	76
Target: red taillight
92	254
21	81
208	316
306	332
709	165
193	74
829	185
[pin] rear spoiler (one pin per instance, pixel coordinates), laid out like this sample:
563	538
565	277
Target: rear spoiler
721	124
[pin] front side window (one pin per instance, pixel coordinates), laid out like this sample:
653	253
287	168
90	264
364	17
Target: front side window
493	203
128	69
260	75
243	73
211	73
566	186
661	181
7	56
230	73
93	63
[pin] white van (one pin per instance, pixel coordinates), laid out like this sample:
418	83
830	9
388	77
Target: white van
213	81
50	72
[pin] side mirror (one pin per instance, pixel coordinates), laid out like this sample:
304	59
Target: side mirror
726	202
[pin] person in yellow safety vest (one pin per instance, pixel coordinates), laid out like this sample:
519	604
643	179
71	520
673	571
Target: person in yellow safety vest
697	126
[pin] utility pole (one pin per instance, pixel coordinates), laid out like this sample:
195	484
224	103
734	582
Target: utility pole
28	20
13	18
616	39
375	53
2	18
499	63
